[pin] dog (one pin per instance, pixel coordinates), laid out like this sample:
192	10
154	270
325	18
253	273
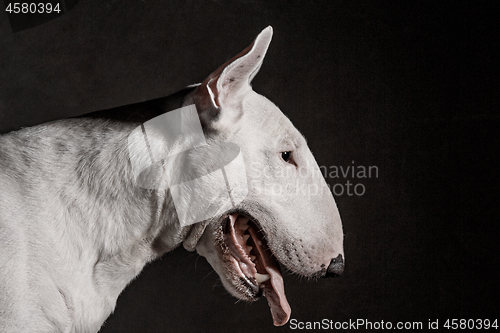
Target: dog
76	225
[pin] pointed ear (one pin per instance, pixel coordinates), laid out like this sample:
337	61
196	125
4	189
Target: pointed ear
225	84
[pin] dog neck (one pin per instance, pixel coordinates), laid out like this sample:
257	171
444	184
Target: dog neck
96	228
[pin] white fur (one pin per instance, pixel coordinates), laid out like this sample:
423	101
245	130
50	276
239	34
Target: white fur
75	229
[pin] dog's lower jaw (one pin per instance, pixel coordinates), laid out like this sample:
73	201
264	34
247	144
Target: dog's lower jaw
245	264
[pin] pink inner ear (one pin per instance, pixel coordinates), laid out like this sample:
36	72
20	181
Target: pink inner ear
237	71
210	89
219	87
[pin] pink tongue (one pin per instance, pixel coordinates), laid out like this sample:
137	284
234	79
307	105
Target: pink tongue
274	288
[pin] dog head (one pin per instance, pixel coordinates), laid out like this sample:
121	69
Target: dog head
289	215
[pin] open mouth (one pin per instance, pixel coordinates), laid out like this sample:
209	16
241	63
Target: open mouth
257	267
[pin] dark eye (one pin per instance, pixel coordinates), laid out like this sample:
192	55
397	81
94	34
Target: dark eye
286	155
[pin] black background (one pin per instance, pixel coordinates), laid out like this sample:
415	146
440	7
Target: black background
411	88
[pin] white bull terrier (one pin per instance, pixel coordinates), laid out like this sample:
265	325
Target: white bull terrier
76	224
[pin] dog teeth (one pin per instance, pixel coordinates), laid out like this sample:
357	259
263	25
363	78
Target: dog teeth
244	227
246	237
249	248
261	278
253	258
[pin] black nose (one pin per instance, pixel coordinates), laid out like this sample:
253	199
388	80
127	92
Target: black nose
336	267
